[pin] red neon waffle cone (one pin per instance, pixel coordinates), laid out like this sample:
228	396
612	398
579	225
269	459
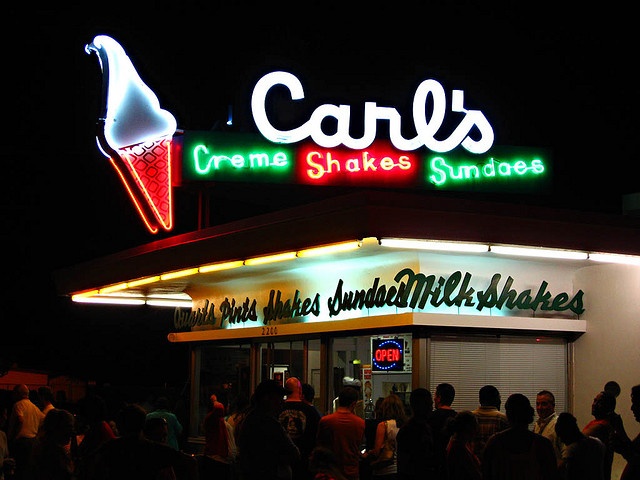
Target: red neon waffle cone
149	164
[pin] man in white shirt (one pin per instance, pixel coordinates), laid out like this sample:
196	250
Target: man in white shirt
24	422
545	425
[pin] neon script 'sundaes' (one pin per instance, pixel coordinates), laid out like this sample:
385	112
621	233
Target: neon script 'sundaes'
444	171
426	128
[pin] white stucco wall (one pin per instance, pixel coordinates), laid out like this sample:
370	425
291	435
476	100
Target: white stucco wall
610	350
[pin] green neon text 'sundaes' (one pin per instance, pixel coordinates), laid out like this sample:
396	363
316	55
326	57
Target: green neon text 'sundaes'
443	171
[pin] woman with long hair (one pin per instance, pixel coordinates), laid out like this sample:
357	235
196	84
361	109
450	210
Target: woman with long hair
392	415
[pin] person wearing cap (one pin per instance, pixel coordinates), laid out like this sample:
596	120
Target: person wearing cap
358	408
266	452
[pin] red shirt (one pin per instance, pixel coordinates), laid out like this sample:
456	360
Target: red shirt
343	433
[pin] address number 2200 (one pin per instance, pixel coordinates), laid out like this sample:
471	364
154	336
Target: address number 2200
272	330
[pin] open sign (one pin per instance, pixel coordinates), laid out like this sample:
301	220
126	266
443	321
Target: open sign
387	355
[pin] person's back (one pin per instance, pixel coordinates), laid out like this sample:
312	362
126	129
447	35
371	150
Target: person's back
490	419
415	440
438	420
50	457
462	463
46	398
517	452
132	456
174	426
393	417
266	451
300	420
343	432
583	456
23	425
219	448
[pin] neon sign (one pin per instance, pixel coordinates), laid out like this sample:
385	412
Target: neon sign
140	140
387	355
216	156
426	128
445	170
136	135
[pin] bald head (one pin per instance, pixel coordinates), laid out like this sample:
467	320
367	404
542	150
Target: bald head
294	389
21	391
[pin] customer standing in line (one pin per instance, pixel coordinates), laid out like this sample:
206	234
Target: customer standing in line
266	452
517	453
343	433
393	418
602	408
174	426
416	456
443	398
583	456
545	425
462	463
629	449
490	419
24	422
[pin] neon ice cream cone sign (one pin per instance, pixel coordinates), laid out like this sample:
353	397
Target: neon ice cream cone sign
137	136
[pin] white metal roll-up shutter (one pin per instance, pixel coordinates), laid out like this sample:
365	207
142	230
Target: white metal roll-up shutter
512	364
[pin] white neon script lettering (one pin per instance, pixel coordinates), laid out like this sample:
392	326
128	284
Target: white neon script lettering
426	128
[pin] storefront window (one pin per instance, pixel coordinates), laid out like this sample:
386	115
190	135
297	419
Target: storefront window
353	362
223	371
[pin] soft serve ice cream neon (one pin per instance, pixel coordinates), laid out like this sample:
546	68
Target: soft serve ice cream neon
135	134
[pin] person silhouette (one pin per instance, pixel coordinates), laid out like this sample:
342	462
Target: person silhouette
24	422
415	450
266	451
300	420
51	454
490	419
462	463
438	419
629	449
174	426
132	456
603	406
583	456
517	452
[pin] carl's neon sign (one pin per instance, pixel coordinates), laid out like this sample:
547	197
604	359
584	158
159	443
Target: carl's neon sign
139	138
426	128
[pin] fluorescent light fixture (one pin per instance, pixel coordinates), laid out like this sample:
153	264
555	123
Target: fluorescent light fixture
540	252
279	257
113	288
90	293
434	245
109	300
162	302
615	258
327	249
143	281
179	274
216	267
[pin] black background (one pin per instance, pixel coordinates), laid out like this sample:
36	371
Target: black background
559	80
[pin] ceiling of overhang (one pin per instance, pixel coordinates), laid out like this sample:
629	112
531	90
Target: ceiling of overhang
353	217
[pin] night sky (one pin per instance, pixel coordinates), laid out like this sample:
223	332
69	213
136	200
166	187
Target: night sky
555	80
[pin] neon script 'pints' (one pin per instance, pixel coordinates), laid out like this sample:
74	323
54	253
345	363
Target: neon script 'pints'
427	129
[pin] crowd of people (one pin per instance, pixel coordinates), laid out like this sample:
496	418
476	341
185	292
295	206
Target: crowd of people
278	434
